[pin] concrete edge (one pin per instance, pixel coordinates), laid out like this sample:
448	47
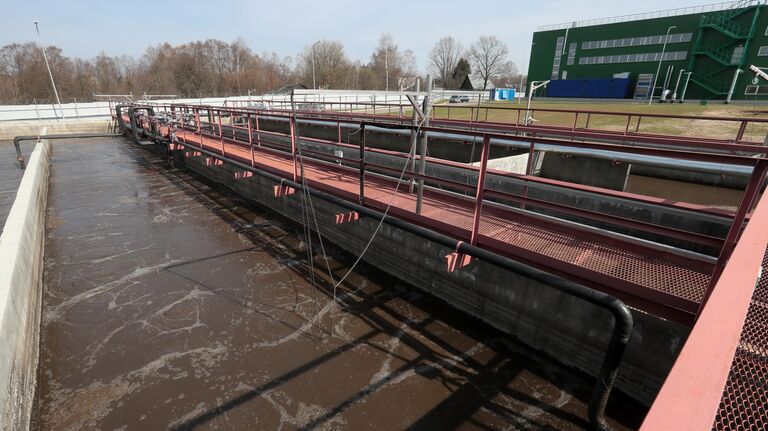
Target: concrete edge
11	129
21	276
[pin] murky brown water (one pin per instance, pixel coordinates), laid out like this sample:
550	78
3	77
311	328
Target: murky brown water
171	305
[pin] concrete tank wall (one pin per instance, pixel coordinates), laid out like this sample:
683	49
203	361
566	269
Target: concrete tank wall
21	271
567	328
13	129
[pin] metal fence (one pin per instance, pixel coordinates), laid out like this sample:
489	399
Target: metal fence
712	7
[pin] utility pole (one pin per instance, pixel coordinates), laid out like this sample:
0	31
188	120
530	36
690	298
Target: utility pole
386	68
53	84
658	69
314	85
423	153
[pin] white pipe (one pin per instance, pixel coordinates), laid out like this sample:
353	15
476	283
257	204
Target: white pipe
658	69
677	84
733	85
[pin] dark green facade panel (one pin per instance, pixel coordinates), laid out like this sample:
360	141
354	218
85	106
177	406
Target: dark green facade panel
711	37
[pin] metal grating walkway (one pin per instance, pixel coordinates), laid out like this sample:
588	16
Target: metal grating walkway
643	277
744	405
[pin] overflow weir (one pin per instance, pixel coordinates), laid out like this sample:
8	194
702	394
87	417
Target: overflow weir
315	289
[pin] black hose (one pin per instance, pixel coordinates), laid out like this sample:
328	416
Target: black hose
622	316
17	140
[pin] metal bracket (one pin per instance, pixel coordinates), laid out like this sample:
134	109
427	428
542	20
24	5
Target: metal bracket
415	105
212	161
283	190
243	175
192	154
457	260
347	217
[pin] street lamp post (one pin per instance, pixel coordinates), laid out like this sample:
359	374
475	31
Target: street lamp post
314	85
658	69
53	84
386	68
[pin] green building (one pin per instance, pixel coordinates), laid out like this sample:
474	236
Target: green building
706	47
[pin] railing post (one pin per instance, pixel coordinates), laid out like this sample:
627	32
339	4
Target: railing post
528	172
197	123
629	120
250	138
183	129
637	128
742	129
480	189
258	135
221	135
362	164
292	123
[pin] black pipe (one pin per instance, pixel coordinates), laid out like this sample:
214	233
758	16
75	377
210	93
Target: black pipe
18	139
623	322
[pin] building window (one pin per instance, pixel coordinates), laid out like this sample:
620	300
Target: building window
638	58
738	52
571	53
763	51
558	54
639	41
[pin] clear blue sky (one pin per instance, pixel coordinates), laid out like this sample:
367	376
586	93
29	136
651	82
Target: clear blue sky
83	28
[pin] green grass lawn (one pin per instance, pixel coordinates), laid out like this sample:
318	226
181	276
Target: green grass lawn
494	111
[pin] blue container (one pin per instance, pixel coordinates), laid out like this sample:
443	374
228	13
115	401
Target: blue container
612	88
503	94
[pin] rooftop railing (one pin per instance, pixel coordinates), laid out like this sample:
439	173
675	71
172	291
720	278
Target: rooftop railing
712	7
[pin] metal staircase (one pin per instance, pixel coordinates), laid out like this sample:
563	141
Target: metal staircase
736	35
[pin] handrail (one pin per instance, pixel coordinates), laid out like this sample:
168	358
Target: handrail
743	122
18	139
537	180
691	394
533	141
622	325
712	7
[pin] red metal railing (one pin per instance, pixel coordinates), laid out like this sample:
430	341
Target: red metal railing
481	204
719	378
582	120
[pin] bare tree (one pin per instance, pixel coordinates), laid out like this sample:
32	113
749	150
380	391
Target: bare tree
508	76
488	56
443	58
386	63
410	70
330	64
196	69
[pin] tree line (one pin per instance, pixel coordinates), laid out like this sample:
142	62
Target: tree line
216	68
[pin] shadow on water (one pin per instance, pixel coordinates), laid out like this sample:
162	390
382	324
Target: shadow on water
477	383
